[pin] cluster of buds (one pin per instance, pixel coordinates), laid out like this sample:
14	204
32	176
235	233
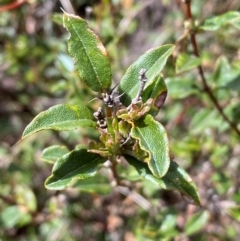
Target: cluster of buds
101	120
112	100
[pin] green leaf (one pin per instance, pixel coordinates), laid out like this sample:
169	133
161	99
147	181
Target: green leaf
153	139
15	216
25	196
158	92
234	84
153	61
89	54
52	153
61	118
225	74
196	222
217	22
179	87
175	179
205	119
78	164
186	62
98	184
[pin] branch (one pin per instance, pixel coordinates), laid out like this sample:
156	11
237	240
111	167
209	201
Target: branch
206	88
11	6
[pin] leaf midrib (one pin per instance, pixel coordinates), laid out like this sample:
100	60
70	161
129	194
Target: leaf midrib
71	173
85	49
149	148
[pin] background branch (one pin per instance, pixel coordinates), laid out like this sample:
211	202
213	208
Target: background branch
206	88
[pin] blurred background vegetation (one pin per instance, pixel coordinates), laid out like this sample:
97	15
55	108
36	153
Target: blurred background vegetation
36	72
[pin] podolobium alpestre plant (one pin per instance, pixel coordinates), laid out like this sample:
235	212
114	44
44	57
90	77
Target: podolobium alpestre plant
125	122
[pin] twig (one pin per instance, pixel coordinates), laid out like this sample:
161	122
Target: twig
207	89
11	6
67	5
114	172
136	197
8	200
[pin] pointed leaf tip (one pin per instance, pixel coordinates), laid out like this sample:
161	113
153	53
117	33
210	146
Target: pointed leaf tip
175	179
89	53
153	61
61	117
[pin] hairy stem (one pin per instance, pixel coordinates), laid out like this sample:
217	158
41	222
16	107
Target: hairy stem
206	89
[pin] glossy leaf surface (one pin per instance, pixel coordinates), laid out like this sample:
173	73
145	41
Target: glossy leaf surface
153	139
61	118
78	164
89	54
153	61
52	153
175	179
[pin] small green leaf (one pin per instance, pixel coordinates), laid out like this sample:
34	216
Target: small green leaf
196	222
217	22
181	87
89	54
153	61
225	74
153	139
78	164
24	195
156	91
61	118
234	84
98	184
186	62
175	179
15	216
52	153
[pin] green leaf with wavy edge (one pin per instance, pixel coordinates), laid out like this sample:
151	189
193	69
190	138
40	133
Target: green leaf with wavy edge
158	92
61	117
186	62
153	139
52	153
175	179
217	22
153	61
78	164
89	54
